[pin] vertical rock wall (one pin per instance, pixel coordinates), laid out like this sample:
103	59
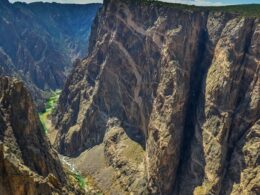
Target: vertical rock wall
184	84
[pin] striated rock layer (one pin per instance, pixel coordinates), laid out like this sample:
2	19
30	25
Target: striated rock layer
28	164
181	82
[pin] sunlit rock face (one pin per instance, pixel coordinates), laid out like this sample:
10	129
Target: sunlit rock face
40	41
181	82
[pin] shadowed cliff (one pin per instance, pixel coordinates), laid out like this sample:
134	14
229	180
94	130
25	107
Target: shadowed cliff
28	163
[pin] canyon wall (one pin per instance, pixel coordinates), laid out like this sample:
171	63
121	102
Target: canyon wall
183	83
40	41
28	163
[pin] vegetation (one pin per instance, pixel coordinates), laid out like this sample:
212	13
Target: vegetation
81	180
49	108
43	124
249	10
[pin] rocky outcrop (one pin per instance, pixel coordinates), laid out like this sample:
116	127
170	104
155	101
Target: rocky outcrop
116	166
28	163
40	41
183	82
126	157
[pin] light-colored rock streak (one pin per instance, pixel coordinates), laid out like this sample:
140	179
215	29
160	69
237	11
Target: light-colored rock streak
133	26
138	77
130	24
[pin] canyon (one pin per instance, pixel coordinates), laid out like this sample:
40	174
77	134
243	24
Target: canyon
168	98
164	100
40	42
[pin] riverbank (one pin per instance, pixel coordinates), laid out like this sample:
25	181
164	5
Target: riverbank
50	105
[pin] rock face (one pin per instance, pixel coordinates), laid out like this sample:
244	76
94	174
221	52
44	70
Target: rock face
181	82
40	41
28	164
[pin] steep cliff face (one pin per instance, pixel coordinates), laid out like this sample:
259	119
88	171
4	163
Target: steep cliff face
182	82
28	164
40	41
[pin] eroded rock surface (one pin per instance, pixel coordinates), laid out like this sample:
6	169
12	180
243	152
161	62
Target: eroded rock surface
183	83
28	163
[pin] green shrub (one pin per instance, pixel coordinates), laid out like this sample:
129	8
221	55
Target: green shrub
249	10
81	180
